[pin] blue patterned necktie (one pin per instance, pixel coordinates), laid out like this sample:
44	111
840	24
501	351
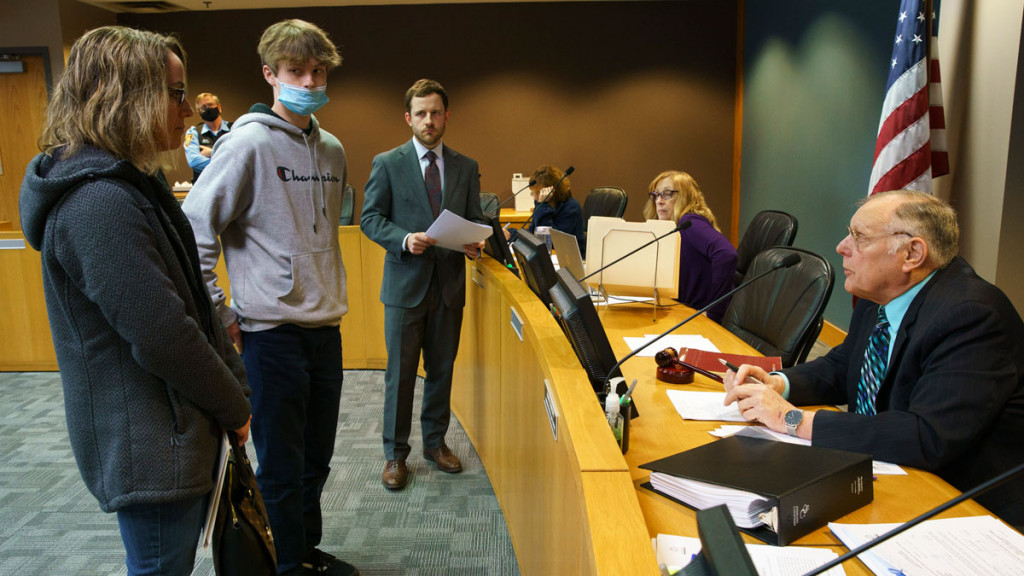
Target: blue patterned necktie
876	356
432	178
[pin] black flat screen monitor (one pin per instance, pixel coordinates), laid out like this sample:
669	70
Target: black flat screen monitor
576	313
535	263
497	247
722	550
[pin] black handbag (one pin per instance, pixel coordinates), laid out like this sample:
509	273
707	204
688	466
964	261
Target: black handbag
243	544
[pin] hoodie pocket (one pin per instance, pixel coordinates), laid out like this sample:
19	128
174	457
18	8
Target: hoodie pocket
316	281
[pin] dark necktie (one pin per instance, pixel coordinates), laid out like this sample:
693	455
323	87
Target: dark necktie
876	356
432	177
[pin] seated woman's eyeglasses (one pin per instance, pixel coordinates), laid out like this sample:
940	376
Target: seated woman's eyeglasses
177	93
664	195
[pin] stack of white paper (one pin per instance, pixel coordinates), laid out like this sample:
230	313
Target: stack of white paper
979	545
675	552
744	507
696	405
677	341
878	468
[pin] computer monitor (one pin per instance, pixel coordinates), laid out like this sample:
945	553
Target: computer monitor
535	263
722	552
497	247
568	250
576	313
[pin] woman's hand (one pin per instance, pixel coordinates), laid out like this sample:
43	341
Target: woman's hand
243	432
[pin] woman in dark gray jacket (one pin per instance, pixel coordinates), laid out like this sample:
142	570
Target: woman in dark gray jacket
150	377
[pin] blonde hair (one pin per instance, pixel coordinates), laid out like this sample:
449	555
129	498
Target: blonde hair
203	95
689	200
113	95
296	42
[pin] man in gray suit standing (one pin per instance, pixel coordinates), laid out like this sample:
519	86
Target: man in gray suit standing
424	286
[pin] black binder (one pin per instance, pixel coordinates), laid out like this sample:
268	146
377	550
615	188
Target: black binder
806	486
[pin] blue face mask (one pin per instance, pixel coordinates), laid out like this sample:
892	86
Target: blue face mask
302	101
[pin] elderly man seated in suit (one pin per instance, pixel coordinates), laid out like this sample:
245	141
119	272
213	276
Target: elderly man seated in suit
933	365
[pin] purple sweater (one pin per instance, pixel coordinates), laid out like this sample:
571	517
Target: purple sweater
707	262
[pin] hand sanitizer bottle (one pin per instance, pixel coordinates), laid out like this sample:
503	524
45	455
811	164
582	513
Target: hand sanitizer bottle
614	415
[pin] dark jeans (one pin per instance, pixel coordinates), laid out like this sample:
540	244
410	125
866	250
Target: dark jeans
161	539
295	375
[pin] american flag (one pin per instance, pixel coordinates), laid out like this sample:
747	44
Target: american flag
911	145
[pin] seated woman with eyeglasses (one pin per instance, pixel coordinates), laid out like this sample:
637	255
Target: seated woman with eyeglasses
707	261
554	206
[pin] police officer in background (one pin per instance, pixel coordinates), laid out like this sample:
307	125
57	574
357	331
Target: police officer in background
200	138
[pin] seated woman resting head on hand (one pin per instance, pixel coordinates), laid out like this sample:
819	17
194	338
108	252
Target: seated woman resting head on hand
554	206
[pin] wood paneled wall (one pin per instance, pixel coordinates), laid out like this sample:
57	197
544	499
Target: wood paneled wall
619	90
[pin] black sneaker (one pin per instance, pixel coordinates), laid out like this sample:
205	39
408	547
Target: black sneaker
321	563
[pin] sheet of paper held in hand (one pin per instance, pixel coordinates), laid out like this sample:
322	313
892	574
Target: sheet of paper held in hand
452	231
218	487
978	545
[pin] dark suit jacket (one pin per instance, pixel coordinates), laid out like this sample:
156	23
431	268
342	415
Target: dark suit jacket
396	204
953	396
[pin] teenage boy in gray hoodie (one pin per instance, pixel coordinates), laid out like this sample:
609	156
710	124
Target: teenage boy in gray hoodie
271	199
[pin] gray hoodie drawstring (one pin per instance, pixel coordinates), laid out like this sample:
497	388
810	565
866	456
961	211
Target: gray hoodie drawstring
320	179
313	175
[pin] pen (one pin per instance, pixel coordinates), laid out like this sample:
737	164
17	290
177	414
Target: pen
507	224
626	397
736	368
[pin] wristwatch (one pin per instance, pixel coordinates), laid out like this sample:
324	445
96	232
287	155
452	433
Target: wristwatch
793	419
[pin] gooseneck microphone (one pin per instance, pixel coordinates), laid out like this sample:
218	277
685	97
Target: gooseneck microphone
682	226
979	489
787	262
516	193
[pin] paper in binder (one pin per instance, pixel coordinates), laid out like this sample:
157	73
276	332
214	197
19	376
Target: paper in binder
775	491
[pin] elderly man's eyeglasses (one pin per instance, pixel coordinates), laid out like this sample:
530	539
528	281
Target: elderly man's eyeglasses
177	94
861	240
664	195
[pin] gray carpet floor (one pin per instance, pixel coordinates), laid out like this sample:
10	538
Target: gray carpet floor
440	524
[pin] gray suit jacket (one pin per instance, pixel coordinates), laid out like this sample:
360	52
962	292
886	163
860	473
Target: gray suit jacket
396	204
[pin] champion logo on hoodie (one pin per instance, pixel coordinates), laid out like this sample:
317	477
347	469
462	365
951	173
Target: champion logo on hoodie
289	175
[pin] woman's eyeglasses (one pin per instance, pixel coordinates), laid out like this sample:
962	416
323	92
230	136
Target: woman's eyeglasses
177	93
664	195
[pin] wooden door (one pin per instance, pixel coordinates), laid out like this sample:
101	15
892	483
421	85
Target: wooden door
22	110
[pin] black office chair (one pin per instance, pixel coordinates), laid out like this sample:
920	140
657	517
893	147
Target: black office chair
604	201
781	314
348	200
489	204
768	228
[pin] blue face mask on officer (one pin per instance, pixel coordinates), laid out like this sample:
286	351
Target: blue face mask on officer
302	101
